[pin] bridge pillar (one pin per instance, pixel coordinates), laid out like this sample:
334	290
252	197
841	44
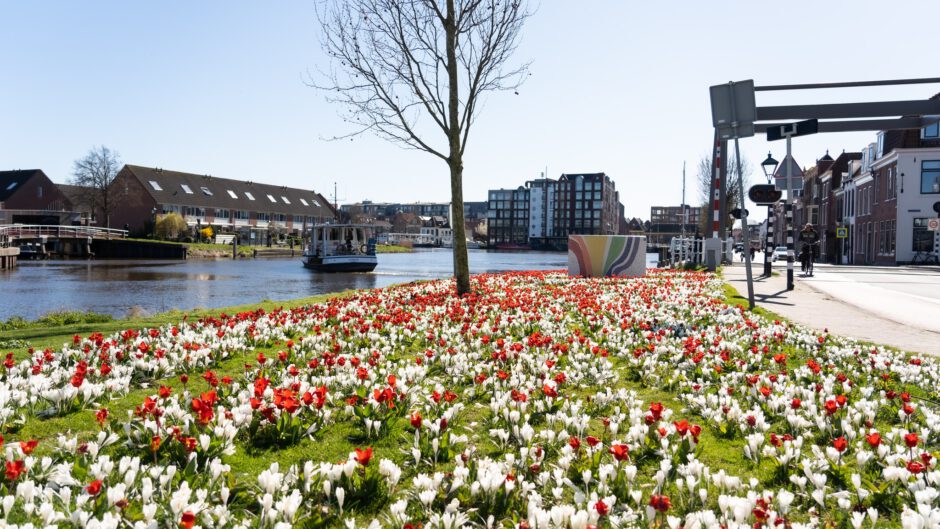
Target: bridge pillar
8	258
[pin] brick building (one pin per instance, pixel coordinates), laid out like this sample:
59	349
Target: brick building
28	196
543	212
250	209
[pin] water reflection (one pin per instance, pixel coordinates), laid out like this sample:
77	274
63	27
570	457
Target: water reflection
115	287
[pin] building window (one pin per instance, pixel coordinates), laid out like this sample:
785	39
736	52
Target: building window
922	237
241	215
892	236
186	189
249	195
232	194
285	200
39	191
930	176
881	144
931	131
205	191
315	203
304	202
155	185
263	217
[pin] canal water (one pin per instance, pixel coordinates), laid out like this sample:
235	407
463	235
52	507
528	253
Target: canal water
118	287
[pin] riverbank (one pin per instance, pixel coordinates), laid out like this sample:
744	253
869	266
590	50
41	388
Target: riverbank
408	405
224	251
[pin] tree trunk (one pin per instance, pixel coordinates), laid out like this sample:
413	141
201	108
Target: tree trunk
455	160
461	262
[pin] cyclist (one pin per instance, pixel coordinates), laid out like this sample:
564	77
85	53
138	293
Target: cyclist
810	240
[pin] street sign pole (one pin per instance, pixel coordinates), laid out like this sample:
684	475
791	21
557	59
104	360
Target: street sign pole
744	227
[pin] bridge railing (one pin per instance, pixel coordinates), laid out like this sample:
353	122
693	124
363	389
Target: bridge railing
9	232
691	250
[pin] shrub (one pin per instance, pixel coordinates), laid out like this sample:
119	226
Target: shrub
170	226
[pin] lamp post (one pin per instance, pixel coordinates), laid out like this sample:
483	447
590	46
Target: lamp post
769	166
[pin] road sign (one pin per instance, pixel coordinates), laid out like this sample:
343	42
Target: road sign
933	224
788	167
734	109
800	128
842	233
764	194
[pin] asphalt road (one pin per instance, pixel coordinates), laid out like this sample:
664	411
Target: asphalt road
897	306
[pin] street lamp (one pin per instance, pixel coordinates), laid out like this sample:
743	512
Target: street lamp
770	167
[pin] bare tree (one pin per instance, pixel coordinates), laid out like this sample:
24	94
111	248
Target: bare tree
734	183
404	69
94	174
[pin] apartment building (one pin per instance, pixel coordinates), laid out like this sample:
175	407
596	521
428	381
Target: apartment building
667	222
542	213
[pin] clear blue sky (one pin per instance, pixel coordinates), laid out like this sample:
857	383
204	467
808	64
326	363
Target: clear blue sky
218	87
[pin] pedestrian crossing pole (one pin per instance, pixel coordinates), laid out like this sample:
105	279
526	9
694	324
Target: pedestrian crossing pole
790	200
769	246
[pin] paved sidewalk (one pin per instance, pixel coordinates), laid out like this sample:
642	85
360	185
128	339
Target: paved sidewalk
897	306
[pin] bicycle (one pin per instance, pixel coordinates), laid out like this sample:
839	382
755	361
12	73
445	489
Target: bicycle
808	257
925	258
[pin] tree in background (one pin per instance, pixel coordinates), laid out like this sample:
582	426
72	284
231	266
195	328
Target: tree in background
404	69
734	182
170	226
94	174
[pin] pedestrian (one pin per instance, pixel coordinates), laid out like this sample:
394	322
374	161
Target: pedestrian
752	253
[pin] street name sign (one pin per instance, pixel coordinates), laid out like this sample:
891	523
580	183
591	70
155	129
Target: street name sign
800	128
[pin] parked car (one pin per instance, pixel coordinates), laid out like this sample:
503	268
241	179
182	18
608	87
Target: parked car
780	253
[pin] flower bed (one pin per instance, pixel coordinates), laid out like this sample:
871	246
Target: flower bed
540	401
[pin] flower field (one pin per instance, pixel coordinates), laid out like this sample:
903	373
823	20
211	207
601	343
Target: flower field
541	401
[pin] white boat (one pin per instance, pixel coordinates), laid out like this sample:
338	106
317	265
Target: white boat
340	248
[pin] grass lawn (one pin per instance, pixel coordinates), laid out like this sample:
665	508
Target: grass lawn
540	400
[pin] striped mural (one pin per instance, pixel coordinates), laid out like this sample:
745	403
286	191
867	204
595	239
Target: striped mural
606	255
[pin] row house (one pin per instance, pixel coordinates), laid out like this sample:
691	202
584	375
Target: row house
28	196
882	196
543	212
234	206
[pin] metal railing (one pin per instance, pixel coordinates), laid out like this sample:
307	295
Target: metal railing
9	232
691	250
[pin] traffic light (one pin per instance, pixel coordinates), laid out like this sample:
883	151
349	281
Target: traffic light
736	213
764	194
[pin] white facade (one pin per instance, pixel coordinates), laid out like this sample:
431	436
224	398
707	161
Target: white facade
913	204
541	209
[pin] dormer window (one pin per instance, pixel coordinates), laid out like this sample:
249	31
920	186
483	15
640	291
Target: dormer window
931	132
